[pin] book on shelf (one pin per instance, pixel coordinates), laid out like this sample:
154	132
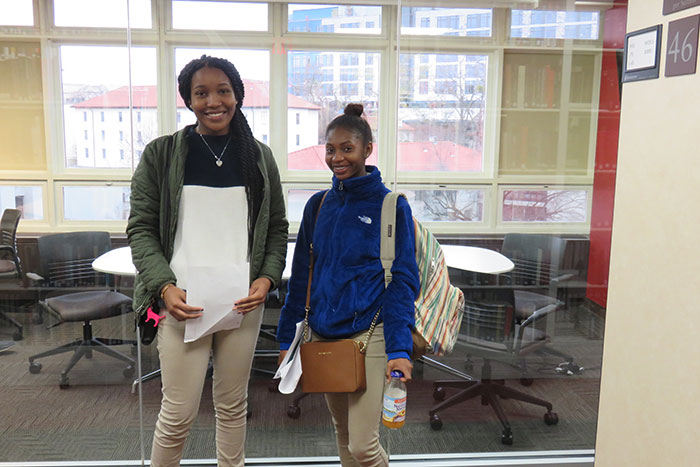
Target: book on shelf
522	79
530	86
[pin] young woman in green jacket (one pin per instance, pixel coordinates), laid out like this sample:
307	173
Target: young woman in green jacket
206	198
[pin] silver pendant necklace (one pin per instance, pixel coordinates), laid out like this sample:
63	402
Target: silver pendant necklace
219	162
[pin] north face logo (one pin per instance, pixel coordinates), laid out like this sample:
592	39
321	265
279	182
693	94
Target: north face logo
365	219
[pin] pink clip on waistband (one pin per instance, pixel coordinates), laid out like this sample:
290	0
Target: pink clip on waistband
150	315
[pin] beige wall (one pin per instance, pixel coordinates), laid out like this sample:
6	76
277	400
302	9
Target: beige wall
650	395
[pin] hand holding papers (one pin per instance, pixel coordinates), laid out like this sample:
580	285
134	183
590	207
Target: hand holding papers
290	369
215	289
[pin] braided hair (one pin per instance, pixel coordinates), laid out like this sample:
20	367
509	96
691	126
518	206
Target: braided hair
352	120
240	129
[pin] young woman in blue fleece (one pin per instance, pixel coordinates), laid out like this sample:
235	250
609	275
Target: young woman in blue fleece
348	283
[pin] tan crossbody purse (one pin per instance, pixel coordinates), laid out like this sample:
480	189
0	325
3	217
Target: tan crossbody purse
331	365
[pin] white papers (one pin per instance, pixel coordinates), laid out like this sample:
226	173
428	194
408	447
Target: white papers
215	289
290	369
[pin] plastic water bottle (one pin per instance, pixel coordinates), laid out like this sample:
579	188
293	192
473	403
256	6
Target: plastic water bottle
394	410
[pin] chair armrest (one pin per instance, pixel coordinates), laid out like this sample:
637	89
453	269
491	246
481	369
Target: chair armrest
541	313
8	250
35	277
563	277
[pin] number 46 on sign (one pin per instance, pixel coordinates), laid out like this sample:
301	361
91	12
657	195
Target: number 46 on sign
682	46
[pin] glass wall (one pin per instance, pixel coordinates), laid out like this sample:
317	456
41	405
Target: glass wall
493	120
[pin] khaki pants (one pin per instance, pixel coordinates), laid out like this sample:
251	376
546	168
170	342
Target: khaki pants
356	416
184	367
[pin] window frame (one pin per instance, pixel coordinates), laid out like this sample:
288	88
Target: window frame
277	40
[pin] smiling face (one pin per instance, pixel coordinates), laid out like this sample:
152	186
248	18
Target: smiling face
346	154
213	101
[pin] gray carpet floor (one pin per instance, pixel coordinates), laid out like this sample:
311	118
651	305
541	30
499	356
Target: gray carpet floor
97	417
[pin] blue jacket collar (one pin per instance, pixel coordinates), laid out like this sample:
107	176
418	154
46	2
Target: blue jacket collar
367	185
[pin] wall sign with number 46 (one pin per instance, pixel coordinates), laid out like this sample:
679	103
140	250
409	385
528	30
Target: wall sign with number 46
682	46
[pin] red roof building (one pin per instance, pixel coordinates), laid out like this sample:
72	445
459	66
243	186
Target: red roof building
442	156
257	95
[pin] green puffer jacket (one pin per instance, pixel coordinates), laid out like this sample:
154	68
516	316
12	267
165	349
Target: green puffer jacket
154	211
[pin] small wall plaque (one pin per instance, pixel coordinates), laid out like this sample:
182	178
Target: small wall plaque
672	6
682	46
642	54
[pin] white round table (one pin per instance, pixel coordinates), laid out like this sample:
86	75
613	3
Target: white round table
117	261
287	273
475	259
466	258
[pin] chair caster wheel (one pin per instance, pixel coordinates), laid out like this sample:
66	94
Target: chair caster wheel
64	383
526	381
439	394
128	372
569	369
293	411
17	336
551	418
34	367
435	422
507	437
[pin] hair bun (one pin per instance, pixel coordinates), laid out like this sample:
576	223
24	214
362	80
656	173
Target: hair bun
354	110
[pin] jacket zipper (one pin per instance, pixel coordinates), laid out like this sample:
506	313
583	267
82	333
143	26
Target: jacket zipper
340	190
141	307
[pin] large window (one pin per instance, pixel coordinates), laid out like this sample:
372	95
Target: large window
21	14
442	113
343	19
102	13
96	95
555	24
435	21
321	83
226	16
484	115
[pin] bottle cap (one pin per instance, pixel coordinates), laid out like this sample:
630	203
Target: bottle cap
396	374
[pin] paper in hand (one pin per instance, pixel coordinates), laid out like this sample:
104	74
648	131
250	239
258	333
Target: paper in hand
215	289
289	371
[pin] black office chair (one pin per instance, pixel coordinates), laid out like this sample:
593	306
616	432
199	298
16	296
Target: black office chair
489	331
10	267
66	263
536	279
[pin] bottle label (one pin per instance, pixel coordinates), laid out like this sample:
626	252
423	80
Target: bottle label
394	410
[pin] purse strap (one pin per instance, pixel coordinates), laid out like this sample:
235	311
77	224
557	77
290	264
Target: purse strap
307	307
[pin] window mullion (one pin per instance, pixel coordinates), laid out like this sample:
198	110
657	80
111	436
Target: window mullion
388	107
278	88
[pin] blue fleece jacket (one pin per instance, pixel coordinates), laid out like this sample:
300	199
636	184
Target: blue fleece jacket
348	281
